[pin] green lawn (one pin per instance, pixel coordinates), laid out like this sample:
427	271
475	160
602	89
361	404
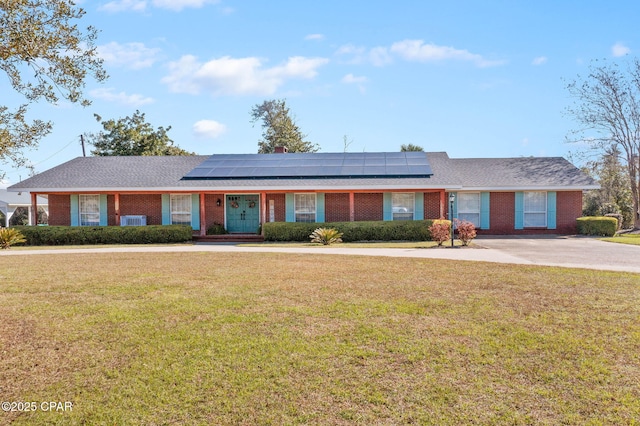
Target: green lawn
222	338
625	239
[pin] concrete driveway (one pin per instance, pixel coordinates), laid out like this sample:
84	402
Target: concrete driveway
567	251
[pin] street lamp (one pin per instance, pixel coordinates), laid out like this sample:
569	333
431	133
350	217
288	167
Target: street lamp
452	198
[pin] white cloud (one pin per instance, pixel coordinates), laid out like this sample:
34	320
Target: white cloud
314	37
619	49
141	5
379	56
418	51
208	129
540	60
351	79
110	95
237	76
130	55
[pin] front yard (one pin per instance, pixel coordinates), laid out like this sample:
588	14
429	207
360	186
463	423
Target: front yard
224	338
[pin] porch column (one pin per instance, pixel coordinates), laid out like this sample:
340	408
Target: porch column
443	203
33	212
116	207
203	217
352	207
263	208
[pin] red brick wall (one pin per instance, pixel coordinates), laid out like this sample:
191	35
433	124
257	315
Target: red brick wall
279	207
432	205
149	205
568	209
368	206
213	213
501	213
59	210
336	207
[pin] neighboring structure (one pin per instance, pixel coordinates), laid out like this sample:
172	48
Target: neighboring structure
242	191
11	201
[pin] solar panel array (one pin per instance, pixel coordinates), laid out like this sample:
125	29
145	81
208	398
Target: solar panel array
313	165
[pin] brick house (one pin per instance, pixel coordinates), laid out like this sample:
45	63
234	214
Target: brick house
241	191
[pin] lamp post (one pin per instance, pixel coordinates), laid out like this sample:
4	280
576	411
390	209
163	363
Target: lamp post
452	198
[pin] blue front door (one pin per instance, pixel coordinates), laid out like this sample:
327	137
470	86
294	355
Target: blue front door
243	214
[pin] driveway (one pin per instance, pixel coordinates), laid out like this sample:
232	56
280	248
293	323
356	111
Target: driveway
571	251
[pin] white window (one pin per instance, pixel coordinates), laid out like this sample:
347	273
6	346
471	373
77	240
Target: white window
469	207
305	207
181	209
402	205
89	208
535	209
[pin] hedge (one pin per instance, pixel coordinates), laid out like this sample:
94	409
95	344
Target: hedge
410	230
597	225
79	235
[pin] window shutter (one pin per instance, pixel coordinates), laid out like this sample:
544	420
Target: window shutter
195	212
104	218
551	210
485	202
320	207
75	210
418	211
166	209
290	215
387	211
519	210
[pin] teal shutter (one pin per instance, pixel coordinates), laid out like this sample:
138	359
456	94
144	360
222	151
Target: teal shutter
75	210
519	210
166	209
195	211
418	212
104	218
290	213
485	202
551	210
387	210
320	207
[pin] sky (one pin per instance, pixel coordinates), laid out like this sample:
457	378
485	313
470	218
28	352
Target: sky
472	78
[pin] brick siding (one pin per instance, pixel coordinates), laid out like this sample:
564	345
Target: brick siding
336	207
149	205
368	206
59	210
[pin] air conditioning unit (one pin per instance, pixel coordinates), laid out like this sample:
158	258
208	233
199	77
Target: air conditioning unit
136	220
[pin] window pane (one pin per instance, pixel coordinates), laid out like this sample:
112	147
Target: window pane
469	202
470	217
89	208
305	207
535	202
402	205
181	209
535	220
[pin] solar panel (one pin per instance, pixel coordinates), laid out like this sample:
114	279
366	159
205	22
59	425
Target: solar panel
313	165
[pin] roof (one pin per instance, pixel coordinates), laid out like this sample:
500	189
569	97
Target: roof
313	166
166	173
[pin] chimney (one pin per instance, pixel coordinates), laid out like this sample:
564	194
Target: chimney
281	150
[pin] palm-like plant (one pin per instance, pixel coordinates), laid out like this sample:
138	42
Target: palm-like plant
10	237
326	236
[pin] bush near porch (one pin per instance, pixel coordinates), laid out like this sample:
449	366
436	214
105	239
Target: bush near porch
79	235
410	230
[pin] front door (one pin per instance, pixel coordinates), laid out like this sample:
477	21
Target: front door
243	214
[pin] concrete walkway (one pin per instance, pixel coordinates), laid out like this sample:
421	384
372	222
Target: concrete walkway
572	251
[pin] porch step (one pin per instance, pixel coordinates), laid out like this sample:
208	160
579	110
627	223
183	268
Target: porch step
229	238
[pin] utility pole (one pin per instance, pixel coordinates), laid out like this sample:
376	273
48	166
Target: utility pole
84	154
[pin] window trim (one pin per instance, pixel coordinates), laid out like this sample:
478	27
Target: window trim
81	213
172	212
537	212
478	212
296	212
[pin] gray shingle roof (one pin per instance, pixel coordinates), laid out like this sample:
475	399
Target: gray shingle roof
166	173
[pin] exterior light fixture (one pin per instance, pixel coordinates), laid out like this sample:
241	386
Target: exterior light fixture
452	198
219	202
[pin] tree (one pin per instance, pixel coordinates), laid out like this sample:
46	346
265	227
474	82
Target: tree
410	147
132	136
46	57
608	109
614	195
279	129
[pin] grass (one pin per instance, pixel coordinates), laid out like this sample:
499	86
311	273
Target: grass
368	244
625	239
271	338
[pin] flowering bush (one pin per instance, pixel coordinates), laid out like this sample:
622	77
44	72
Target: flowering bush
440	231
466	231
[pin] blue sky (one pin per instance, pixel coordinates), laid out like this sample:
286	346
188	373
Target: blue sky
475	79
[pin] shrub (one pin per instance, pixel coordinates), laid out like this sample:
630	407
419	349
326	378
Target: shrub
597	225
410	230
216	229
10	237
326	236
466	231
79	235
440	231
